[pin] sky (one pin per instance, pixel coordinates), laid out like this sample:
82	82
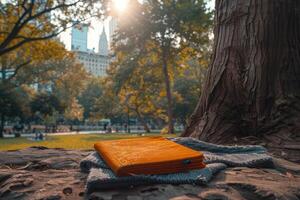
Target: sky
97	26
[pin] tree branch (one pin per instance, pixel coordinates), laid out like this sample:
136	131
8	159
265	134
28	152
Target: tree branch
23	20
18	68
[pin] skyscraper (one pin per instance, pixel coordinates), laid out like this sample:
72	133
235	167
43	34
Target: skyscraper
112	28
94	63
79	37
103	43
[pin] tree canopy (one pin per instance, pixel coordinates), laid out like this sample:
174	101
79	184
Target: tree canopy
154	46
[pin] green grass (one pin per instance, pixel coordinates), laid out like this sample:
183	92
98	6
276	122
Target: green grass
67	141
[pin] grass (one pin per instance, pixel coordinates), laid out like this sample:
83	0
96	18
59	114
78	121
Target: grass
67	141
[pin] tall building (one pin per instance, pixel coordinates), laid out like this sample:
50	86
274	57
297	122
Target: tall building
94	63
103	43
79	37
112	28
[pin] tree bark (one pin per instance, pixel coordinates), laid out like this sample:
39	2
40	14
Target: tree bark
253	82
168	90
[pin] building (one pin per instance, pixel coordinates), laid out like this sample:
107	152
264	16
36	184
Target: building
112	28
94	63
79	37
103	43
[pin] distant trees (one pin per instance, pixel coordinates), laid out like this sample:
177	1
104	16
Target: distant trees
46	104
50	65
14	102
139	90
30	55
68	85
107	105
188	87
92	92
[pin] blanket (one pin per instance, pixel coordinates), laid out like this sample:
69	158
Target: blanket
217	158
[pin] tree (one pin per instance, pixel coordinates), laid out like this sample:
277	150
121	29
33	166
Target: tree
138	82
166	28
46	104
23	21
188	85
89	96
74	111
47	107
68	87
40	63
253	82
108	104
29	52
34	63
140	94
14	103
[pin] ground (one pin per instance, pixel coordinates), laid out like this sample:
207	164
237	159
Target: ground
53	174
79	141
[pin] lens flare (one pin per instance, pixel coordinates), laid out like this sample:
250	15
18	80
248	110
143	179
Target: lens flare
120	5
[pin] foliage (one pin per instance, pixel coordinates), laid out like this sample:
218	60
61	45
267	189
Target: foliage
38	62
52	70
9	104
74	111
153	50
138	87
107	105
68	86
46	104
23	21
89	96
188	88
30	54
170	34
14	103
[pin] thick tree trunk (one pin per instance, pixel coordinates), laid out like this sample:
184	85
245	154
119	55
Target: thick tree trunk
253	82
168	91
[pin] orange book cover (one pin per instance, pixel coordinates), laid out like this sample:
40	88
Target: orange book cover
148	155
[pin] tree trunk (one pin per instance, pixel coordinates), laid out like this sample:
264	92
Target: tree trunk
168	90
253	82
141	119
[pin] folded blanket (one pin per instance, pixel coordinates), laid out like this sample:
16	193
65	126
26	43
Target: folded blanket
148	156
217	157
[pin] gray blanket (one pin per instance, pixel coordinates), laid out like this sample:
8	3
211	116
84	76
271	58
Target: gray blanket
217	157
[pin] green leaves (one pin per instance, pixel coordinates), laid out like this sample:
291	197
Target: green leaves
176	29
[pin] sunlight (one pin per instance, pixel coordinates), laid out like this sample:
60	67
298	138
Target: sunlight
120	5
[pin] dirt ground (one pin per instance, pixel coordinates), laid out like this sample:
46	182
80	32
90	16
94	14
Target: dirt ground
53	174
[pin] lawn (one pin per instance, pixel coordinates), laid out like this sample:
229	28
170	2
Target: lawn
67	141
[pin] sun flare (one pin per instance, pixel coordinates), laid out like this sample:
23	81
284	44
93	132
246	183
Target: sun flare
120	5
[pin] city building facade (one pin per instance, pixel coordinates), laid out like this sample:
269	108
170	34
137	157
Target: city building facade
103	43
95	63
79	37
112	28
